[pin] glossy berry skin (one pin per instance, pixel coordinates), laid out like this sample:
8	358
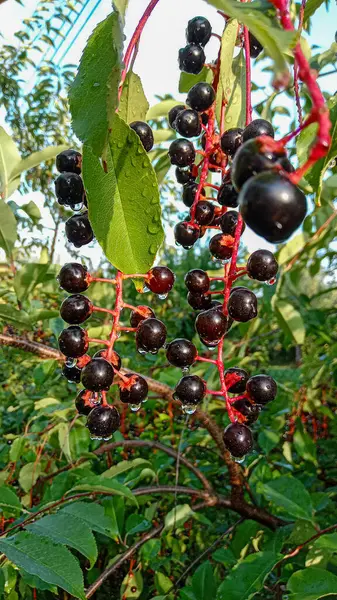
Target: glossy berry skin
272	206
199	301
186	235
191	59
183	177
231	140
73	278
84	402
228	196
204	212
201	96
228	223
248	410
256	128
173	113
181	353
218	247
198	31
115	359
261	389
143	312
253	158
255	47
240	386
190	390
135	391
69	160
144	132
160	280
76	309
72	373
188	123
197	281
103	421
97	375
73	341
262	265
150	335
242	305
69	189
211	325
238	439
78	230
189	192
182	153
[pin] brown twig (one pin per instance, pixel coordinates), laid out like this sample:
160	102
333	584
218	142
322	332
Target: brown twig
301	546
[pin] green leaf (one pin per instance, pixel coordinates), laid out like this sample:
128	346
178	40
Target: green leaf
91	513
132	585
178	516
290	320
203	582
304	444
291	248
19	318
9	157
93	95
289	494
67	530
29	475
235	115
9	499
2	582
17	449
36	158
161	109
104	485
32	210
227	50
136	524
130	232
247	578
311	7
8	229
163	584
133	104
125	465
63	435
28	277
188	80
121	6
52	563
311	584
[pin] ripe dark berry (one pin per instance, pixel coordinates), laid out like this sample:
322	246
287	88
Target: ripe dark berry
238	439
229	221
182	153
76	309
150	335
134	390
184	176
197	281
227	196
144	132
69	160
73	341
198	31
199	301
231	140
181	353
211	325
69	189
262	265
242	305
186	235
103	421
221	246
256	128
236	379
201	96
272	206
142	312
84	402
188	123
255	156
115	359
247	409
190	390
173	113
97	375
72	373
73	278
78	230
191	59
160	280
255	47
204	212
189	192
261	389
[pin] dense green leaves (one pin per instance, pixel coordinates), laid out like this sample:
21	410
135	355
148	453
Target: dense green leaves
9	500
133	104
9	158
8	233
311	584
203	582
226	73
290	495
124	204
290	320
247	578
28	277
19	318
92	514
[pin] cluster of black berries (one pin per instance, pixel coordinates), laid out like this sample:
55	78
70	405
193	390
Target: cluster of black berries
192	57
97	373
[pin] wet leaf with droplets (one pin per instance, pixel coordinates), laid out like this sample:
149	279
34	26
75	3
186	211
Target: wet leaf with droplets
133	104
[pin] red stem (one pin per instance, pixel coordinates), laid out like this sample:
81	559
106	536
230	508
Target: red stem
117	311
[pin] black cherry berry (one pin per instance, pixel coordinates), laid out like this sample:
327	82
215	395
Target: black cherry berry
191	59
201	96
103	421
221	246
133	389
78	230
211	325
247	409
76	309
144	132
262	265
199	301
188	123
150	335
184	176
73	278
186	235
238	439
181	353
182	153
70	161
236	380
198	31
261	389
69	189
228	223
231	140
242	305
84	402
255	48
204	212
160	280
190	390
189	192
173	113
257	128
97	375
73	341
228	196
142	312
114	359
197	281
72	373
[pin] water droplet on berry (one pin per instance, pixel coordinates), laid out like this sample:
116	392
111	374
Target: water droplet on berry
145	289
141	351
188	409
77	207
177	244
238	460
185	370
271	281
162	296
225	262
70	362
135	407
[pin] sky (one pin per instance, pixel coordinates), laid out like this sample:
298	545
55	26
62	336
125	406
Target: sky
156	61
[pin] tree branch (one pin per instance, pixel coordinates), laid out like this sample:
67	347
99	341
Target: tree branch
26	345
